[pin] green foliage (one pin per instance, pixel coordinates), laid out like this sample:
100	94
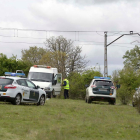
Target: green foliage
115	77
78	81
12	64
77	86
132	58
89	74
124	94
138	104
33	55
128	80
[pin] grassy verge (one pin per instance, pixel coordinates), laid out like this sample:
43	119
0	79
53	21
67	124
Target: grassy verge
61	119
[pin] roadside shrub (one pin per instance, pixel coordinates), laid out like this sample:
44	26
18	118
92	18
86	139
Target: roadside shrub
124	95
138	104
77	86
78	81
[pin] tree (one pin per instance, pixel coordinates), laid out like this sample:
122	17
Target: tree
115	77
66	57
12	64
3	63
33	55
132	58
129	80
78	81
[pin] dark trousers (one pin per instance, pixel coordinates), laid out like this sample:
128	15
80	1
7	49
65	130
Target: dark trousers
66	93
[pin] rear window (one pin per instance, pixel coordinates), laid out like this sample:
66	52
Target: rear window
103	83
5	81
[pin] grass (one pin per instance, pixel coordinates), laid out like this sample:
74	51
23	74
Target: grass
61	119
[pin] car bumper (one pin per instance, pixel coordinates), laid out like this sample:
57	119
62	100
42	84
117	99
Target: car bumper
6	98
99	98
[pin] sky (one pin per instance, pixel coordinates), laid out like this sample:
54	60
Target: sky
25	23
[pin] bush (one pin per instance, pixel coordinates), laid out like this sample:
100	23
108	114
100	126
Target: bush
77	86
138	104
78	81
124	94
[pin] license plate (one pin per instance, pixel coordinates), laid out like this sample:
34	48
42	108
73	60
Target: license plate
102	90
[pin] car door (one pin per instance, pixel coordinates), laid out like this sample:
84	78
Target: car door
33	91
57	87
25	89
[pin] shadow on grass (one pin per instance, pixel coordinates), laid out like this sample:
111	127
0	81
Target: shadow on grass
100	103
22	104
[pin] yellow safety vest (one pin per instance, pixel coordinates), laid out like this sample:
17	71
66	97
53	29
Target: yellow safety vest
67	84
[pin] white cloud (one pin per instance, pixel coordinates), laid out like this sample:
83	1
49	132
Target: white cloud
71	15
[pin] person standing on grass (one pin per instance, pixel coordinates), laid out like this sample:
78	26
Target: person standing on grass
66	88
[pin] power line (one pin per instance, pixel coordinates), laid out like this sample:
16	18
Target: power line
56	30
45	38
21	42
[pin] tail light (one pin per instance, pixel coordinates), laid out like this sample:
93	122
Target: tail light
112	87
10	87
93	86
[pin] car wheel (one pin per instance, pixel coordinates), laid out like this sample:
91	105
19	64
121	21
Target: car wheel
89	101
17	100
42	100
112	102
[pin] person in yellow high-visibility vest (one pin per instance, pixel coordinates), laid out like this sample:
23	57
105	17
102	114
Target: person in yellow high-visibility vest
66	87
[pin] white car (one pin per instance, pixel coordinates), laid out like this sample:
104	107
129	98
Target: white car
101	89
20	90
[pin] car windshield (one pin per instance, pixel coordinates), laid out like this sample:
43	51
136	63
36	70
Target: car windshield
103	83
5	81
40	76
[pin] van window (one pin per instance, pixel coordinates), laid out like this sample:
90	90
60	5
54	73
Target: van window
40	76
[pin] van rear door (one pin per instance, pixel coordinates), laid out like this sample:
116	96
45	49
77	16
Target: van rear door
57	87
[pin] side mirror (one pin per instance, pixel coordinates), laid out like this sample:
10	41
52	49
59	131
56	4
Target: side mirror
86	86
37	87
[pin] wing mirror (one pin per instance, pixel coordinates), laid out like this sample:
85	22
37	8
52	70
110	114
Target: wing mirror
86	86
37	87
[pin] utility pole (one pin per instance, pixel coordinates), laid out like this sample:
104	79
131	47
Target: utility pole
105	49
105	55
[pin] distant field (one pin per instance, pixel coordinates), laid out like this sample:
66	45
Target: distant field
61	119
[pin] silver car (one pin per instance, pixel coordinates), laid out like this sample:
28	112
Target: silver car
20	90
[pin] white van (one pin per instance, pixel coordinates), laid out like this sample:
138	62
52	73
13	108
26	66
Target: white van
47	78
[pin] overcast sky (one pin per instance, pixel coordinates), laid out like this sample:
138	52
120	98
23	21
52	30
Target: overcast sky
117	17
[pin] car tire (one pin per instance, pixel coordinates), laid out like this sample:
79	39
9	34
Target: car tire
17	100
113	102
41	100
89	101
